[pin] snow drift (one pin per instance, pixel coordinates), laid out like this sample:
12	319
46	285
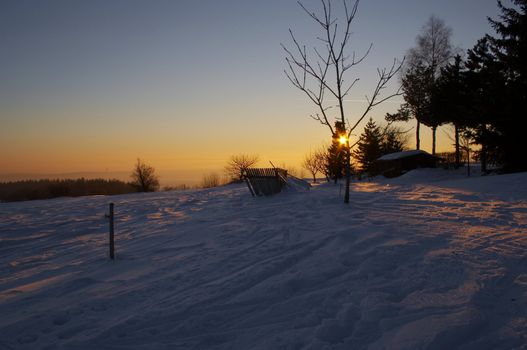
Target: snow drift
409	264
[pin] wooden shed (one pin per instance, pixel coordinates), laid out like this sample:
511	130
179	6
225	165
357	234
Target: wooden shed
265	181
396	164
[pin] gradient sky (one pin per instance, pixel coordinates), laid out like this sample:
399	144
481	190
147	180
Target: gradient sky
183	84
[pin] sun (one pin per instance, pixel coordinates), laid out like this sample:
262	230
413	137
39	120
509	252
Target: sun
343	139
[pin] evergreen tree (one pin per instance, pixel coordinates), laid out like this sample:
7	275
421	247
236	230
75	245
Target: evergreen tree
416	87
510	49
484	85
495	84
369	147
393	140
449	98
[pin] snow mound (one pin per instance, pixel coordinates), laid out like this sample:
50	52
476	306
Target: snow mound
403	154
295	184
428	175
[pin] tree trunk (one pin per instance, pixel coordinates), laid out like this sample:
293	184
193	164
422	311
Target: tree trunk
483	159
417	140
348	173
458	155
434	129
483	154
468	162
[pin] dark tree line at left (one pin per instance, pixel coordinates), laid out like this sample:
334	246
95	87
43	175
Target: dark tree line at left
143	178
46	188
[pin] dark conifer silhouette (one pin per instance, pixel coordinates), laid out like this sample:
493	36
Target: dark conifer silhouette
394	139
485	97
369	147
510	51
449	99
416	86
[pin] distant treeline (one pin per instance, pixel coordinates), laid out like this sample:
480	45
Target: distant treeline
45	189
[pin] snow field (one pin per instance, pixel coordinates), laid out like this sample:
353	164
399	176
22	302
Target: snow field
426	261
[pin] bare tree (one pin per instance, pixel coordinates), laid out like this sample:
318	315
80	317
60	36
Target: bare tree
323	71
144	177
433	51
433	48
310	164
321	159
237	165
210	180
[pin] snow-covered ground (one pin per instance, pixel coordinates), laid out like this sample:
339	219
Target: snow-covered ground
431	260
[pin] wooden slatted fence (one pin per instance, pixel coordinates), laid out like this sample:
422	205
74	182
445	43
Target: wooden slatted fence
265	181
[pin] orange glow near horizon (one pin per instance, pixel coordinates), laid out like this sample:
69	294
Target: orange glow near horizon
177	156
92	86
56	145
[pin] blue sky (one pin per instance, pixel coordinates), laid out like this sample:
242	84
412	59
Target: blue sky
91	85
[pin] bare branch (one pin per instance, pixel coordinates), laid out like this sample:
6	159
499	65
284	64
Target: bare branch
312	14
354	63
384	77
301	61
349	88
